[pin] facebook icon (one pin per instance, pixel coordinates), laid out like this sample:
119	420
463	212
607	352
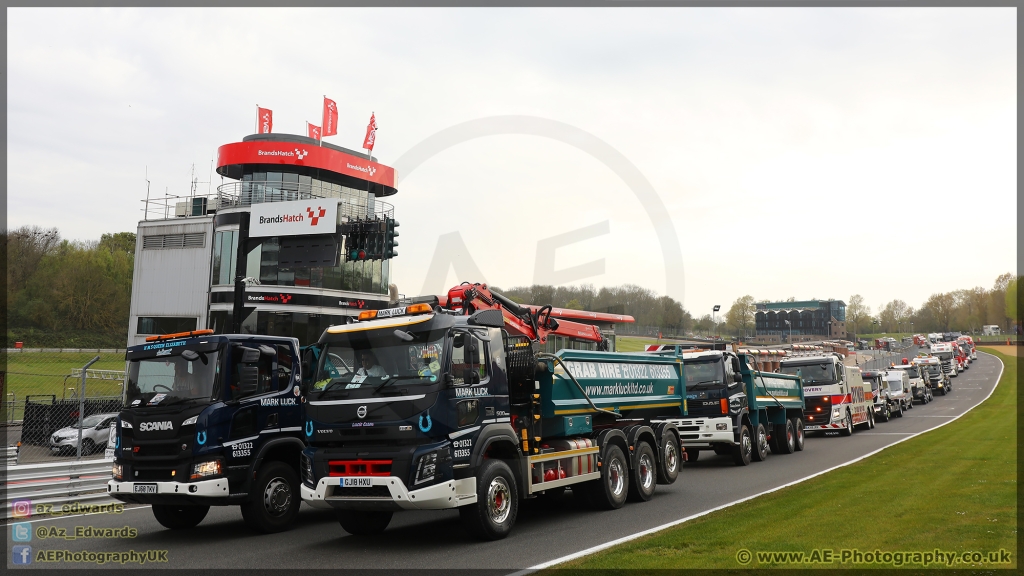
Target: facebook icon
21	555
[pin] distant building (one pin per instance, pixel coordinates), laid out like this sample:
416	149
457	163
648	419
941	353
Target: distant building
808	320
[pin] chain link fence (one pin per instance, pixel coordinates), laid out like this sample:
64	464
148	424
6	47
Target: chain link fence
46	402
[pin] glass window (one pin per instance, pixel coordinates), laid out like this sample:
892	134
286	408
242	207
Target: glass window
165	324
225	247
375	281
469	364
260	371
171	379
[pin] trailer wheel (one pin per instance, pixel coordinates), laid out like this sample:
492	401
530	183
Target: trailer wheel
179	517
497	503
760	453
798	434
741	453
363	522
610	490
275	499
643	477
670	461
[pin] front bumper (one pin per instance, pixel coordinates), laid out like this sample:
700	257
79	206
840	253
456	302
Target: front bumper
449	494
704	432
205	492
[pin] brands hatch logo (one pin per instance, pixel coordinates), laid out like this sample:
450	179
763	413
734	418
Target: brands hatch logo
275	298
368	169
315	217
297	154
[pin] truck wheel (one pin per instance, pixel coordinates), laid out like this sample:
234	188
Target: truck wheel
742	453
899	412
847	429
497	503
362	522
644	476
609	492
692	454
798	434
179	517
885	413
274	499
670	462
785	443
760	453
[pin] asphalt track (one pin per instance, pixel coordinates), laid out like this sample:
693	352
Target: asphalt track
544	531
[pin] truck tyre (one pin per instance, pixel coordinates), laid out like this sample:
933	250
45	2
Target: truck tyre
274	499
885	413
871	419
742	452
643	478
899	412
798	434
609	492
847	429
671	460
760	453
692	454
783	440
179	517
497	502
363	522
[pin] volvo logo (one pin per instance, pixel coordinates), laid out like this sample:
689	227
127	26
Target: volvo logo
361	411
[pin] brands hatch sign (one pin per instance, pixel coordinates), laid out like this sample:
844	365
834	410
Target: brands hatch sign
300	217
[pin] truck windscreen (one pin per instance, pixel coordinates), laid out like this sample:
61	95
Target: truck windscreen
912	372
703	373
812	374
376	358
170	379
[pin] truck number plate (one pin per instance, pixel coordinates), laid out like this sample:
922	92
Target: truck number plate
144	488
356	482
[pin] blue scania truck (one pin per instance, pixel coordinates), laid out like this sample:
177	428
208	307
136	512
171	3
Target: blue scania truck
211	420
449	404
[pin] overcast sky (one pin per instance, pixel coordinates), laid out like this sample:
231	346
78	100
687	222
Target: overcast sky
812	153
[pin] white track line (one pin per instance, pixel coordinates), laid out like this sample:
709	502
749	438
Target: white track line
625	539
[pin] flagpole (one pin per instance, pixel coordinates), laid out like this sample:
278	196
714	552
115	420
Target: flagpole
257	126
322	120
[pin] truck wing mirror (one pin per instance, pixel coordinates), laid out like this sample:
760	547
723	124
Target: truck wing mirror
736	376
449	380
248	378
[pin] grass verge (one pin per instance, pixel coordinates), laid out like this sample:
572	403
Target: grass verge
47	373
953	489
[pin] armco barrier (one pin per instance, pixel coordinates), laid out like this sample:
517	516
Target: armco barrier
55	484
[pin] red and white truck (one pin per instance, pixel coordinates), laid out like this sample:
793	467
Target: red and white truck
836	399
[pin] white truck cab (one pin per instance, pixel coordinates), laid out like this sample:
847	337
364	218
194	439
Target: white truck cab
931	369
835	396
947	356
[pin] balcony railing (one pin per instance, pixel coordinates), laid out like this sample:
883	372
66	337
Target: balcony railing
243	194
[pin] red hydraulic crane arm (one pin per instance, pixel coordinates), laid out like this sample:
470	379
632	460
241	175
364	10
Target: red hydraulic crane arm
536	323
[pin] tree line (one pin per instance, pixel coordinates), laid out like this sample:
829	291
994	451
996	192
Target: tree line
64	292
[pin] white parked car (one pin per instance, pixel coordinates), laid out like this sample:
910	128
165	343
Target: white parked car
95	435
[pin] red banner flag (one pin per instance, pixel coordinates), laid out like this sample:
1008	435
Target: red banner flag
330	117
313	130
371	133
264	120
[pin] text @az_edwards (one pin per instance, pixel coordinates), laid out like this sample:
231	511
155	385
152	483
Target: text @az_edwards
855	556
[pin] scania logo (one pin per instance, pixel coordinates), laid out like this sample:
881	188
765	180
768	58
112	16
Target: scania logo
152	426
361	411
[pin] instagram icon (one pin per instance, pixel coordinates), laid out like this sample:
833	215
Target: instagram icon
21	508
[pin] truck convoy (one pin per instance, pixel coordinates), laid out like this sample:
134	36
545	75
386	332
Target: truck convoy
735	409
211	421
946	354
931	372
448	403
916	381
883	401
835	396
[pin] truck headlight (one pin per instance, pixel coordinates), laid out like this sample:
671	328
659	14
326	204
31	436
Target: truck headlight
426	468
204	469
190	421
835	413
117	471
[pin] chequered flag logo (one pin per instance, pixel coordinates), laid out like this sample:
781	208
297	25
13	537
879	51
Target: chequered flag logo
299	155
315	217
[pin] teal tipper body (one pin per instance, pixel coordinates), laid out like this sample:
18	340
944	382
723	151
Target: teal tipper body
629	384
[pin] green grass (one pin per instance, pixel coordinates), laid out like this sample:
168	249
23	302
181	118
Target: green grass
954	488
632	343
44	373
